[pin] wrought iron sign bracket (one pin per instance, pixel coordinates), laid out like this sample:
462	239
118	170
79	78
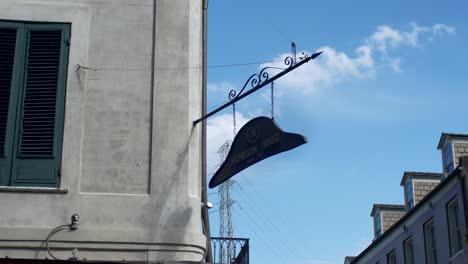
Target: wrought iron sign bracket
261	79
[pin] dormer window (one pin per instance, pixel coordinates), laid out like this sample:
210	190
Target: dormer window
453	147
448	158
385	215
378	225
409	195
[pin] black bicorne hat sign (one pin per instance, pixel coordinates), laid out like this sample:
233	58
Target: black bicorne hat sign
257	140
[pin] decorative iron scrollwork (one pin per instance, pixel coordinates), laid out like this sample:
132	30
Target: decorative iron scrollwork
254	81
289	61
257	79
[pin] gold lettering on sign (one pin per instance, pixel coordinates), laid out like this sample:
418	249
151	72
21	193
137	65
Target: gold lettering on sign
271	140
241	156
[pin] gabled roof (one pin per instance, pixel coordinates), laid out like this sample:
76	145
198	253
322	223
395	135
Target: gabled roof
446	136
420	176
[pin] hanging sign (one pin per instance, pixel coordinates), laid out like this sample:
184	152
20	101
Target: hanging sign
257	140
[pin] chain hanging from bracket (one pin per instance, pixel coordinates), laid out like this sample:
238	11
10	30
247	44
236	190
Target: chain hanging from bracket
272	101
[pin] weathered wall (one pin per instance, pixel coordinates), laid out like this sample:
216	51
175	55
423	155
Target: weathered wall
131	157
116	142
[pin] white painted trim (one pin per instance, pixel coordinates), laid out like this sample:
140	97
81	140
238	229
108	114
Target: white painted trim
419	180
412	191
459	141
453	156
379	212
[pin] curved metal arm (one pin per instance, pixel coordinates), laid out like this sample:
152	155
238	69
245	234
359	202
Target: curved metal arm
259	80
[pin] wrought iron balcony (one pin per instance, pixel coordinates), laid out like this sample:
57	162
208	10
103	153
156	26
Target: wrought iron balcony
230	250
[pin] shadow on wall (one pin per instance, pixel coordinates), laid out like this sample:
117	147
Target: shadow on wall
168	215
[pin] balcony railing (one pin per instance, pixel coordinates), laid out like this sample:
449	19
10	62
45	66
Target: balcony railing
230	250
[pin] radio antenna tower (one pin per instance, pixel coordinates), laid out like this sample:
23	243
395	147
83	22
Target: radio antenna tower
226	224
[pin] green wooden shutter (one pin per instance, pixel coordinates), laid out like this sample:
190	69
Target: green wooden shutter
10	46
40	126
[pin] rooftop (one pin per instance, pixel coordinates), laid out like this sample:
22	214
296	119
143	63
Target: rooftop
446	136
387	207
420	175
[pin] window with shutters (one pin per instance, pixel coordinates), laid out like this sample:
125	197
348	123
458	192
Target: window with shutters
33	66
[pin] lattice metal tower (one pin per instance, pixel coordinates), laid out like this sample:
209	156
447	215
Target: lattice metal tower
226	224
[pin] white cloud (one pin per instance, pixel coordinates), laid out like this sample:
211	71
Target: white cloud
334	67
439	29
219	130
385	37
395	64
223	86
365	56
331	68
378	49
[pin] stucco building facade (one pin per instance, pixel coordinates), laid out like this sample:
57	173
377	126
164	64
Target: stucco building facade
119	148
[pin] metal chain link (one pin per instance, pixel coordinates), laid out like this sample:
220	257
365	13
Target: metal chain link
272	101
234	118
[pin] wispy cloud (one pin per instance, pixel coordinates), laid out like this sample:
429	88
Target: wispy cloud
386	37
379	49
442	28
223	86
334	67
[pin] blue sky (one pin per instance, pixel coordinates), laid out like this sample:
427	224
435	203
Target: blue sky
391	79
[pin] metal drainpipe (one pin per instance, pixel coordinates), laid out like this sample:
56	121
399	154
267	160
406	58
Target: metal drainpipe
205	214
153	80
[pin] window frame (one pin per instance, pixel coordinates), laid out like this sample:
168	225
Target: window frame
427	250
23	171
405	250
378	224
457	235
393	255
448	157
409	190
